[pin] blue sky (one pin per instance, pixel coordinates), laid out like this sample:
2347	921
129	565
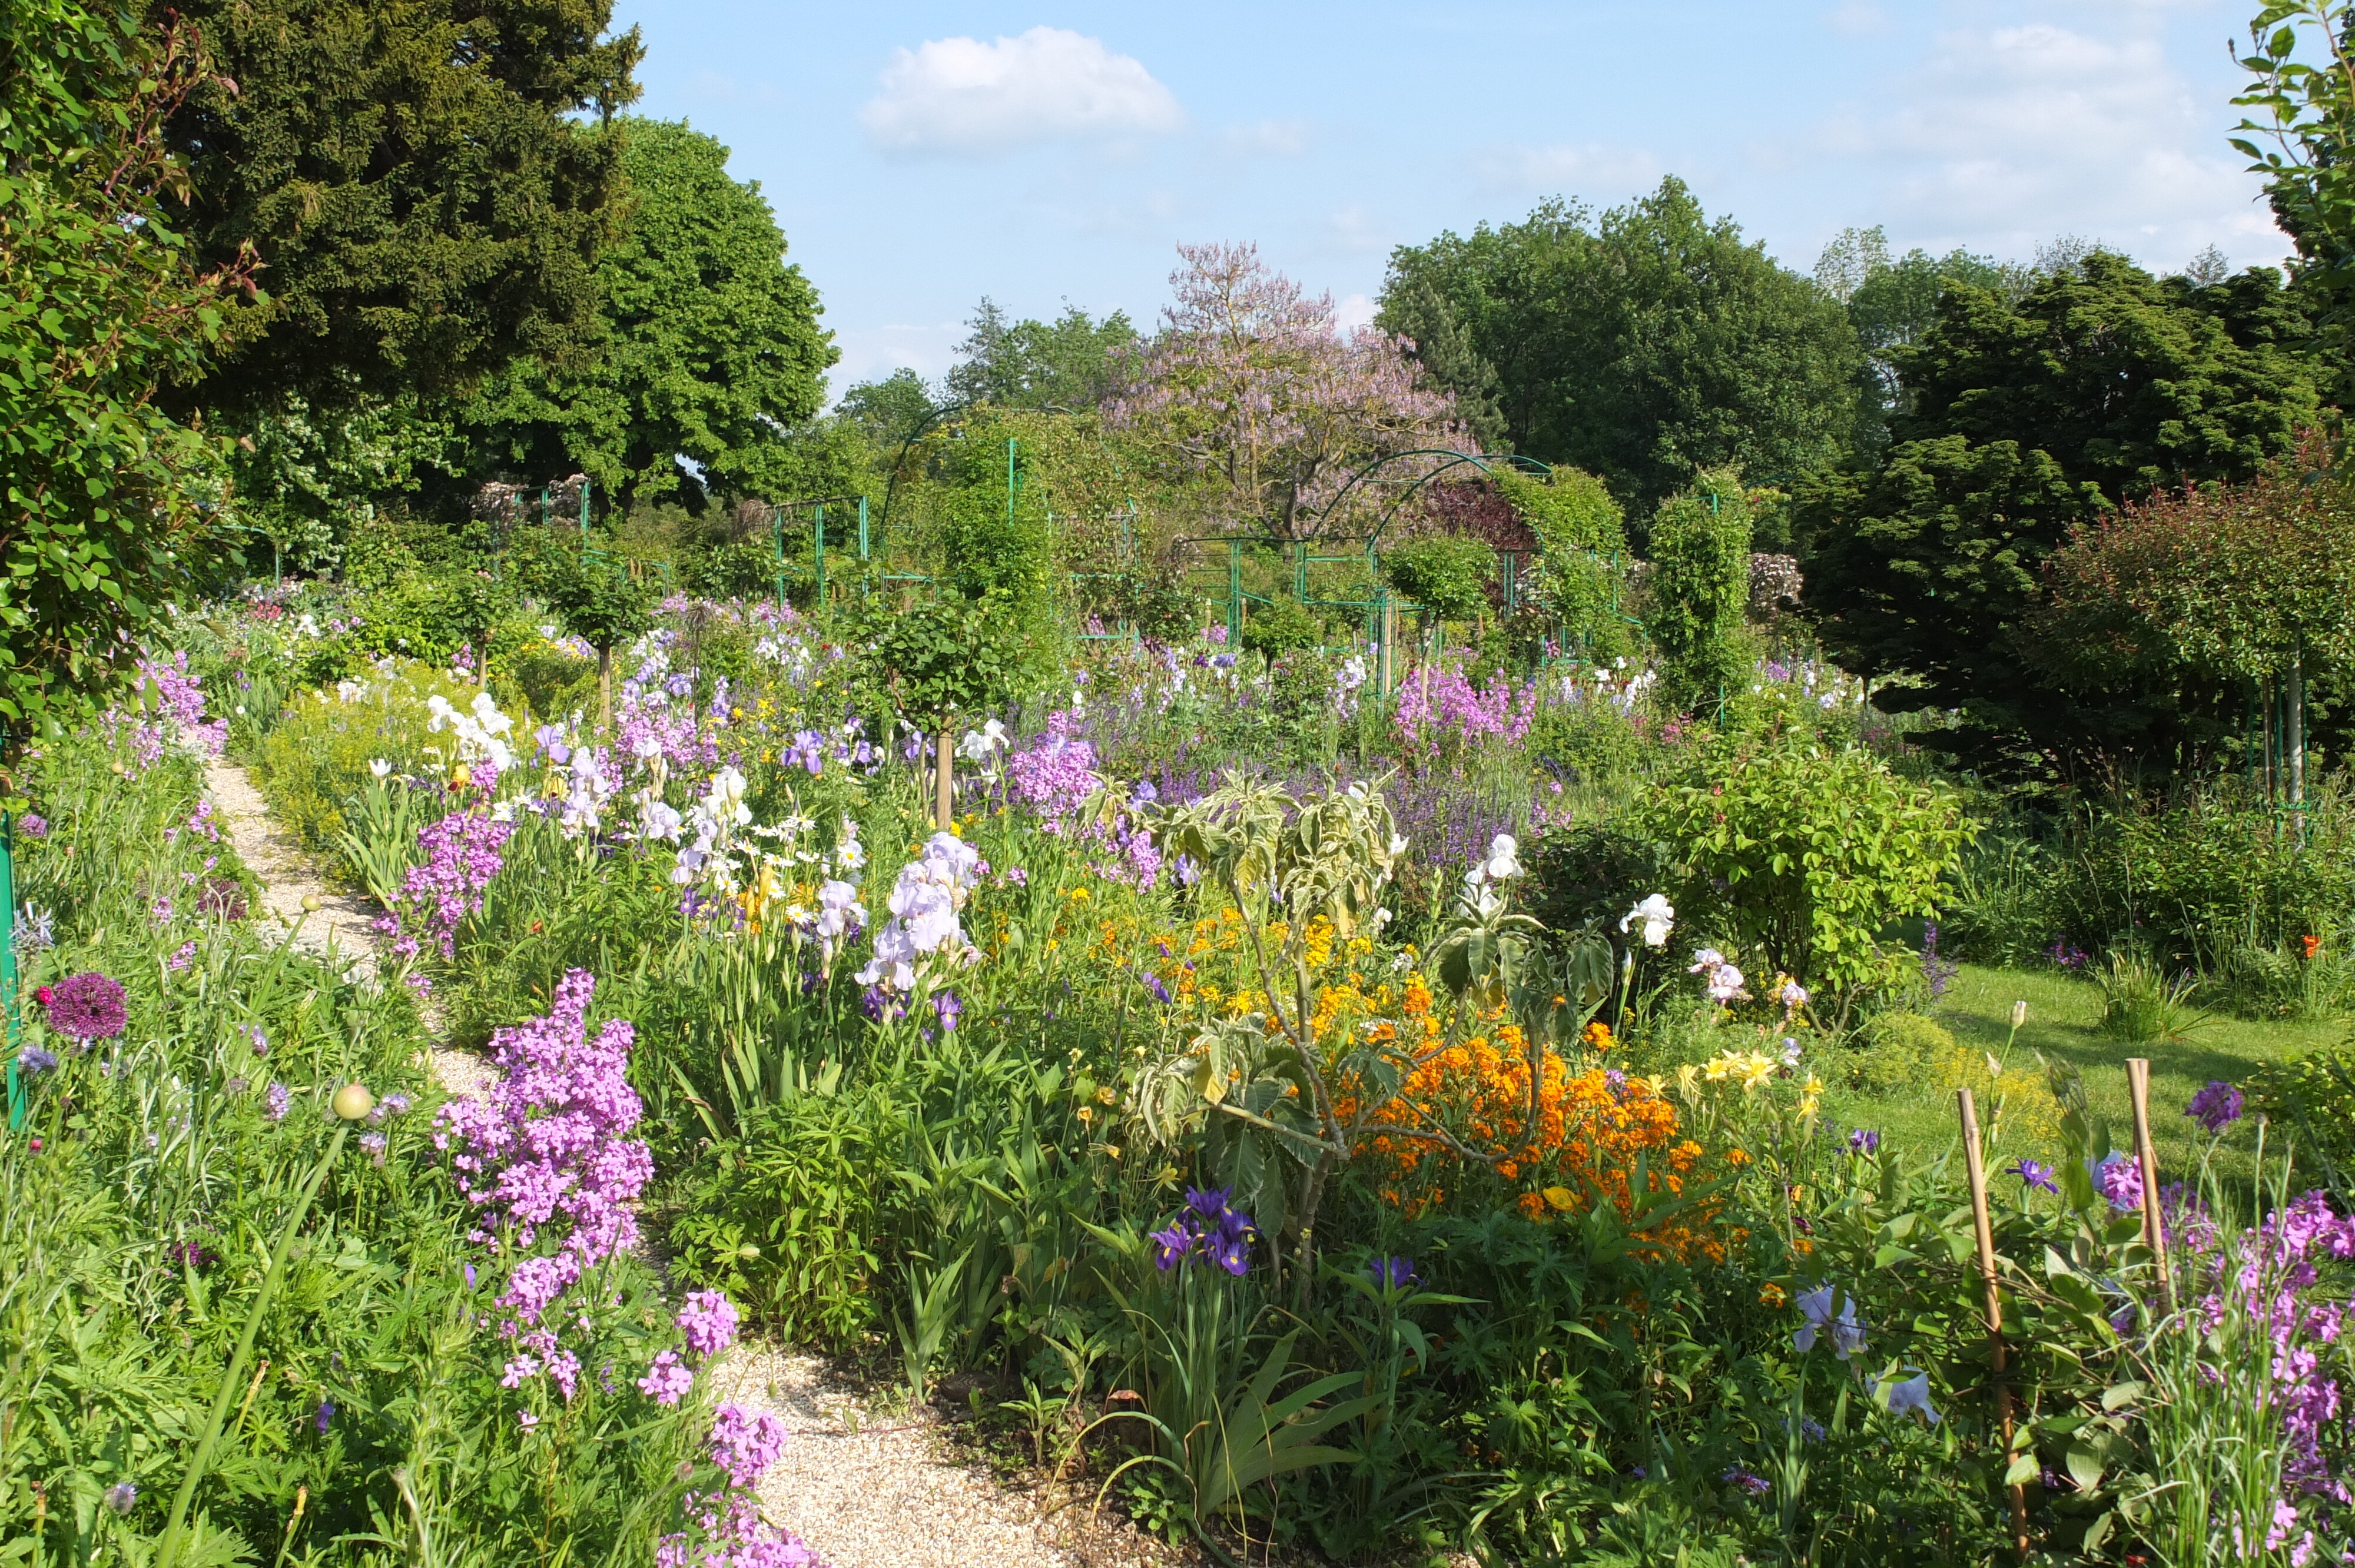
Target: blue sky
922	156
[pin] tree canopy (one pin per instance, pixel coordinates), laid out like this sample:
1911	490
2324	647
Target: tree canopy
708	348
2026	418
1070	361
425	206
1643	348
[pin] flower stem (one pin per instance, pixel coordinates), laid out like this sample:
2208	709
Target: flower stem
168	1551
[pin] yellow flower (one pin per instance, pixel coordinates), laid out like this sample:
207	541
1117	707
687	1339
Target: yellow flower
1560	1198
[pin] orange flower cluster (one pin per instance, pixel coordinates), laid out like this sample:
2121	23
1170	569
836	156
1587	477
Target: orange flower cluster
1590	1128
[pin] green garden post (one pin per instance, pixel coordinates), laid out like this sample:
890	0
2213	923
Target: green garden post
585	488
865	588
777	545
817	544
1234	590
16	1106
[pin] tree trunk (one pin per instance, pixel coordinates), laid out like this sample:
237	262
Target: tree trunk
1305	1247
2295	741
944	778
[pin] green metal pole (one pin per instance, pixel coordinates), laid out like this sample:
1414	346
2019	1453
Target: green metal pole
16	1106
1234	590
585	488
817	542
865	586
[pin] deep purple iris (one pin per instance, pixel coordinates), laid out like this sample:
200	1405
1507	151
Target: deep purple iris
1863	1141
2034	1173
1392	1273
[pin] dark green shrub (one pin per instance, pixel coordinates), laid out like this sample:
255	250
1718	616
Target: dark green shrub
1592	874
1581	572
2314	1098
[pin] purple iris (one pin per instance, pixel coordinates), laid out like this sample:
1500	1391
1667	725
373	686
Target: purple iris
1392	1273
1153	983
1210	1229
2034	1173
1170	1246
323	1415
950	1010
1863	1141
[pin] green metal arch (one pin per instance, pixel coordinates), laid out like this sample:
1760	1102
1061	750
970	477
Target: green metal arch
1454	459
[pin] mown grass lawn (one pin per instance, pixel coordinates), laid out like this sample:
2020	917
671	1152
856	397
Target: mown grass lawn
2062	1012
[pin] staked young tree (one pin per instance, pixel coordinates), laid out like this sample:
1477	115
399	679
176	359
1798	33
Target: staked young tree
425	204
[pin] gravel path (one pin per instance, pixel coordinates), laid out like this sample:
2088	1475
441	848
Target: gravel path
864	1489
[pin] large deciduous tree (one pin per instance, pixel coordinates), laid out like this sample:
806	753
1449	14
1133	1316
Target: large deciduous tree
707	349
1252	384
1643	348
106	514
426	205
1071	362
2024	419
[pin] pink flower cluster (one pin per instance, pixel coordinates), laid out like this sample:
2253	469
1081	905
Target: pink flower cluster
1056	774
733	1536
180	698
461	856
546	1150
2270	1274
1439	711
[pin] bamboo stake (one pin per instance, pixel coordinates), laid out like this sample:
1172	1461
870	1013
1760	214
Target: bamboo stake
2154	1235
1975	1161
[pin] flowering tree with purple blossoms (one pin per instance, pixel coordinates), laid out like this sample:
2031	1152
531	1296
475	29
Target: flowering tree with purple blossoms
1252	384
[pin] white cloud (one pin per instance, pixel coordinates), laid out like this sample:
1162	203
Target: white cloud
1857	19
1512	168
1353	229
2005	137
961	96
1266	139
927	348
1355	312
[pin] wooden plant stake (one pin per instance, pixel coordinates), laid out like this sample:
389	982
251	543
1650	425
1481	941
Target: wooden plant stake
1975	1161
944	777
2154	1235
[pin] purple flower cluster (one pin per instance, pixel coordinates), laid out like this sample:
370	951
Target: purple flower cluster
708	1321
2118	1178
180	698
547	1150
461	856
733	1535
745	1446
1938	971
2272	1273
1439	711
2217	1107
1210	1230
85	1007
1056	773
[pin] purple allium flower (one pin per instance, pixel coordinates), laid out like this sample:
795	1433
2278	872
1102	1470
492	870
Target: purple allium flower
392	1105
33	825
2033	1173
281	1100
708	1321
1863	1141
122	1496
1392	1273
86	1007
2217	1107
667	1380
745	1446
32	1059
235	1088
325	1413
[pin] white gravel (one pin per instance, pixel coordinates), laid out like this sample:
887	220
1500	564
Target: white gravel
865	1488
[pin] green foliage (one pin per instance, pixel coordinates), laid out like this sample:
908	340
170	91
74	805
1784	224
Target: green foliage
1447	574
1283	625
890	411
1070	361
1688	347
1901	1051
1891	302
315	763
2314	1098
1582	542
2301	124
411	173
2025	419
106	504
708	343
1699	593
1816	851
597	597
1449	357
2140	1003
937	664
